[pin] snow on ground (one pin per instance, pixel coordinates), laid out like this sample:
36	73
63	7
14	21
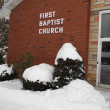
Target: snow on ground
107	98
106	93
41	72
68	51
78	95
12	84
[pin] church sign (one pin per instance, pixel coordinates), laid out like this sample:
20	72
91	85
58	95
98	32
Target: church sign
50	26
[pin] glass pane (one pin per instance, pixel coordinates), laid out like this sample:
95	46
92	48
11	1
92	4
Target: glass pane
105	26
105	63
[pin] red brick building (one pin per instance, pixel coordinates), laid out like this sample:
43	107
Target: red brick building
41	27
24	30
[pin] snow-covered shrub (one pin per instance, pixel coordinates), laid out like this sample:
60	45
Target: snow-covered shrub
3	52
24	63
4	27
1	59
68	66
2	2
38	77
6	72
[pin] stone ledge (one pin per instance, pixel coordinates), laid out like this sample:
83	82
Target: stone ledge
8	7
13	4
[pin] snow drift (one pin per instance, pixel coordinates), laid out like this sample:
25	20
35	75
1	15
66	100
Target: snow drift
78	95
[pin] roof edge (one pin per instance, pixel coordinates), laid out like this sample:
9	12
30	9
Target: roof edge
8	7
12	4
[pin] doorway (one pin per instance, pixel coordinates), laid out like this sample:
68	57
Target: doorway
104	50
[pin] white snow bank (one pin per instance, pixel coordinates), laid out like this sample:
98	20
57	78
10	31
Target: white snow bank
68	51
5	69
42	72
12	84
78	95
81	91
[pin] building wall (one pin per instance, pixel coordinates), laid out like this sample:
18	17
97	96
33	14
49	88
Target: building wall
96	6
24	26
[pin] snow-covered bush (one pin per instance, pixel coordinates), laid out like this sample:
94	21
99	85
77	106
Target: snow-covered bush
24	63
2	2
38	77
68	66
6	72
4	27
1	59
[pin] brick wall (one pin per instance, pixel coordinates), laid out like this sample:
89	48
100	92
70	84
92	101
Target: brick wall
24	25
96	6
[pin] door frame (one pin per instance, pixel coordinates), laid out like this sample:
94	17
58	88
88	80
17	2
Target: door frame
100	40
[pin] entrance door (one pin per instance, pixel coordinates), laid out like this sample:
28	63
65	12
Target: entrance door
105	63
104	50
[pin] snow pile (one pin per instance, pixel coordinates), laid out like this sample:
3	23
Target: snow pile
12	84
68	51
5	69
41	72
78	95
81	91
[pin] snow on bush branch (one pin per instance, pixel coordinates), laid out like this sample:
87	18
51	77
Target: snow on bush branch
2	3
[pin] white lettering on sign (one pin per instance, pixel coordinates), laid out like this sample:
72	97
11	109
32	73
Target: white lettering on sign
51	30
47	15
50	22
